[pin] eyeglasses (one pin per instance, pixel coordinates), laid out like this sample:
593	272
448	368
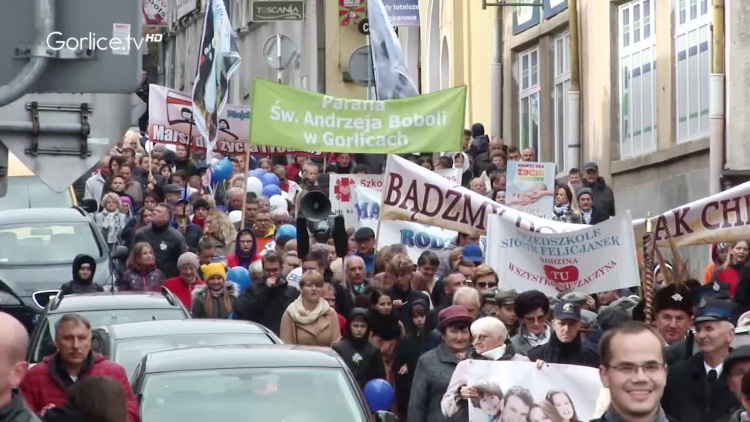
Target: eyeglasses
486	284
631	368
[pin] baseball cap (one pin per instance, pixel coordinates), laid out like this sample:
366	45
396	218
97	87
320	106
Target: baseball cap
472	253
591	166
567	310
364	233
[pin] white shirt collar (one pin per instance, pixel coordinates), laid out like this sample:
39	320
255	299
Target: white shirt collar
718	369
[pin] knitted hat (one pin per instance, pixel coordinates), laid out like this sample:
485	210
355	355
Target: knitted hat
188	258
216	268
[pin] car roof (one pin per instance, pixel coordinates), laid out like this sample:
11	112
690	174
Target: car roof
186	326
108	301
41	215
241	356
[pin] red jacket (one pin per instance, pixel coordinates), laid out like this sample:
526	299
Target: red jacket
234	261
43	385
182	290
729	275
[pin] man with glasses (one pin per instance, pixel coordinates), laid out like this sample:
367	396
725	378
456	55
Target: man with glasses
697	388
565	345
266	300
634	371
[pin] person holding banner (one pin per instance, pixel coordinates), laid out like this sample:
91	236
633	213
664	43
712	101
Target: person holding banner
565	345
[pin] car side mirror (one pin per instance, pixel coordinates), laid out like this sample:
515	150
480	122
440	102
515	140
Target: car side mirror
119	253
89	205
385	416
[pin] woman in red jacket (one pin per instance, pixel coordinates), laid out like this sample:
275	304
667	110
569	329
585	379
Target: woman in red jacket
729	272
245	250
182	286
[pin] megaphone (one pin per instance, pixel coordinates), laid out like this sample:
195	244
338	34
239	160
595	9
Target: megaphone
315	206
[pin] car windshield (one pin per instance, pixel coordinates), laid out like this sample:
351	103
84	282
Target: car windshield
46	243
128	353
31	192
267	394
46	345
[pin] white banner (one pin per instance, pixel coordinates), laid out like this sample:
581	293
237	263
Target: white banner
531	188
592	260
414	193
554	392
341	193
416	237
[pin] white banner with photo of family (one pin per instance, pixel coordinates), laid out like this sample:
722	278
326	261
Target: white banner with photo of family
592	260
530	188
519	392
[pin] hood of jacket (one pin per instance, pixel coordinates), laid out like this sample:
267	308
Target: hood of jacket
80	260
253	255
480	144
467	162
358	313
202	289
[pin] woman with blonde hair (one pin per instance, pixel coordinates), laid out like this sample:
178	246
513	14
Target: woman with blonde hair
310	320
217	298
111	220
142	274
729	271
221	231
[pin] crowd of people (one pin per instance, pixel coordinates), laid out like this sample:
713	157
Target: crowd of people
414	324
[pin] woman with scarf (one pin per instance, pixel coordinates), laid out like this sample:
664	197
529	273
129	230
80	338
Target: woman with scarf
532	307
217	299
385	328
84	268
462	161
110	220
565	206
310	320
245	250
142	274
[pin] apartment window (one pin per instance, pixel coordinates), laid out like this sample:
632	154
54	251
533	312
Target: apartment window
693	59
637	78
528	62
562	87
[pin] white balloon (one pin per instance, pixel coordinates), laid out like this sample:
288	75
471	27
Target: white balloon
285	195
254	185
214	161
235	216
277	201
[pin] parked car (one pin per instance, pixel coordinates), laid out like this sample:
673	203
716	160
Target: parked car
266	383
102	309
127	343
37	248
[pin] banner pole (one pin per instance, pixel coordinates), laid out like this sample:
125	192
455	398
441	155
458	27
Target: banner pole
244	184
648	264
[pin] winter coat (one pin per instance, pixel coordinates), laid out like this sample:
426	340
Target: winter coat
408	351
65	413
95	187
16	411
408	297
742	293
222	246
573	353
193	234
362	357
431	379
47	382
604	198
521	344
136	280
110	233
266	305
687	397
324	331
729	275
683	349
596	216
201	294
452	403
609	417
168	244
78	285
444	268
183	291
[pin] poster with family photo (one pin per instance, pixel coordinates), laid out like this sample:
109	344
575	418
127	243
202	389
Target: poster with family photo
519	392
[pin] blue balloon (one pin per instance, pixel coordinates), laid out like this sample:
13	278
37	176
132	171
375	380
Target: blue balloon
253	163
259	172
222	170
286	230
379	395
239	275
270	190
270	179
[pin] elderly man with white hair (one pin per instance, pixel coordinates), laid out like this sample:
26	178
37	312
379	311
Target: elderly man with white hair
489	337
280	216
469	298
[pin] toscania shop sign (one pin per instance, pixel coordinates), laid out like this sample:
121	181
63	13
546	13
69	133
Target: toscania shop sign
276	11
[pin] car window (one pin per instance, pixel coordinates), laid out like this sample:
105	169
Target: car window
273	395
21	244
46	344
31	192
129	352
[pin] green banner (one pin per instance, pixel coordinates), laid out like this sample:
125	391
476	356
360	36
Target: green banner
293	118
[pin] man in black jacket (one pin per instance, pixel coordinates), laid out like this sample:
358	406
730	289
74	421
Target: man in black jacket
84	268
14	341
565	345
604	198
590	214
168	243
697	388
362	357
264	301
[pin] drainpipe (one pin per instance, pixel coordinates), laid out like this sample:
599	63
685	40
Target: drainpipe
716	102
573	158
497	77
44	24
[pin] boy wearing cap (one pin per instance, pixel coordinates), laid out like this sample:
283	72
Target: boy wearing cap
565	344
697	388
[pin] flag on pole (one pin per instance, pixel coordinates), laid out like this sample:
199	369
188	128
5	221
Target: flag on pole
218	58
392	79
